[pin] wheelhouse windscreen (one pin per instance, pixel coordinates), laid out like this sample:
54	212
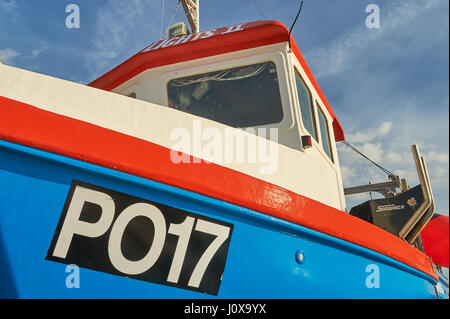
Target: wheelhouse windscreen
244	96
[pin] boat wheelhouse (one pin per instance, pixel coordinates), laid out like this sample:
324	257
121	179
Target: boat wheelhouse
245	76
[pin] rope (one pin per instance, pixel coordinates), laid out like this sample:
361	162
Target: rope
220	76
259	9
389	173
173	14
162	19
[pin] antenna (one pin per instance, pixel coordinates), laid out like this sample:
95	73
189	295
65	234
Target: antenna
191	8
162	20
289	36
259	9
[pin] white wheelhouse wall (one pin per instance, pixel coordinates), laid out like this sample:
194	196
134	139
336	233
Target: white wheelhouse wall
308	172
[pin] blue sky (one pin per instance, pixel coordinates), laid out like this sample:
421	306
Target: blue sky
388	86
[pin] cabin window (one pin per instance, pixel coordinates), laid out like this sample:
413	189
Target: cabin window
324	133
306	106
244	96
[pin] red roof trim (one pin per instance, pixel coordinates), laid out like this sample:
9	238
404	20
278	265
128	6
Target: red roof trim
27	125
205	44
200	45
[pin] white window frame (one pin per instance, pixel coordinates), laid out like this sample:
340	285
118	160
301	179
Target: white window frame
297	68
328	133
313	107
276	57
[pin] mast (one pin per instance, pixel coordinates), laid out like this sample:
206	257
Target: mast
191	8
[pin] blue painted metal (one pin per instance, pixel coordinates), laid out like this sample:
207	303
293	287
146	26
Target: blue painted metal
261	258
299	256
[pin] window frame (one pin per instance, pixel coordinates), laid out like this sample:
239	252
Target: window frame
132	89
235	59
320	111
224	68
312	106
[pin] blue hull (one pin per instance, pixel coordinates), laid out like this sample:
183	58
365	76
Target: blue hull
261	259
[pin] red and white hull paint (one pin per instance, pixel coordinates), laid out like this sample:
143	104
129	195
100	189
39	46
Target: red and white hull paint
59	117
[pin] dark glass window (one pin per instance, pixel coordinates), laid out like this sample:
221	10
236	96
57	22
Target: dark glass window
239	97
325	133
306	106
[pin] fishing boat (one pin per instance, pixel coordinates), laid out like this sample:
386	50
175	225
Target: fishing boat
128	187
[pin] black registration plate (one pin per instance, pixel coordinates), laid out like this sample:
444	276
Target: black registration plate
120	234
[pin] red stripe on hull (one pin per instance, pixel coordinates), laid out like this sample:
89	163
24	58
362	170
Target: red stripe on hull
27	125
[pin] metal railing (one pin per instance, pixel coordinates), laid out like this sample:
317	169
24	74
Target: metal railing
425	212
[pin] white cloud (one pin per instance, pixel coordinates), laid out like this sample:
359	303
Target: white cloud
36	52
348	175
8	6
438	174
373	150
394	157
7	55
8	12
123	28
439	157
371	134
345	51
